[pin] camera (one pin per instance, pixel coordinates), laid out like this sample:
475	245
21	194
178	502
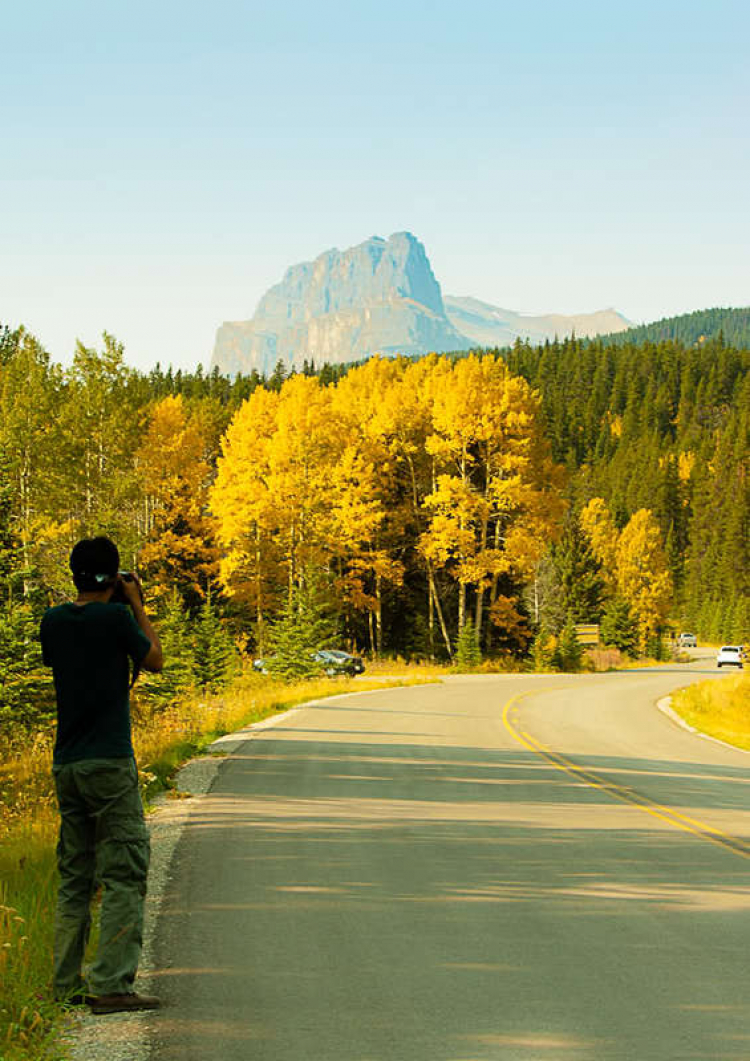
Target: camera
118	597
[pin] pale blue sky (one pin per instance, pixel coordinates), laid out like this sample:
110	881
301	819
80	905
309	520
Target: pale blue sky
163	163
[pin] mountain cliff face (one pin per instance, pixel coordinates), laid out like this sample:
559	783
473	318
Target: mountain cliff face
378	297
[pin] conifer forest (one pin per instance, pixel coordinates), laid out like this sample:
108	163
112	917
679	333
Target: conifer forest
490	500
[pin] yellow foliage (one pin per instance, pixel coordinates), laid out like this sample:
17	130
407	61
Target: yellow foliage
173	465
496	502
685	465
339	475
598	526
615	425
505	616
642	573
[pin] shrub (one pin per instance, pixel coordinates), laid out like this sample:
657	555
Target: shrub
468	652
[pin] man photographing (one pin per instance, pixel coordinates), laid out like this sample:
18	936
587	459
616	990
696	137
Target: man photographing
91	643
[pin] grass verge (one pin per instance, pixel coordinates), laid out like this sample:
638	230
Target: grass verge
720	708
31	1023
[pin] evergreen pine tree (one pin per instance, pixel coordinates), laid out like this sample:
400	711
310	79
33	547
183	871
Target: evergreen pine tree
618	628
544	650
215	656
176	636
578	576
468	652
741	620
8	543
303	627
278	376
569	652
26	692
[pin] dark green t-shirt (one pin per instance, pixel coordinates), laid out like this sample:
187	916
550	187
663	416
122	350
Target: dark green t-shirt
88	647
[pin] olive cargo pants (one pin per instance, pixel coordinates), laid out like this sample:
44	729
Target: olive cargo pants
103	840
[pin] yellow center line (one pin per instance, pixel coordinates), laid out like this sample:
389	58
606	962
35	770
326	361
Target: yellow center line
626	795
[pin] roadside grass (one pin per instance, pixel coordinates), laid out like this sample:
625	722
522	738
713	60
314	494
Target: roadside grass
31	1023
720	708
399	666
604	658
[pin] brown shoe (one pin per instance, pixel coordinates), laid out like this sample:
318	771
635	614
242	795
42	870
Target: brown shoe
123	1003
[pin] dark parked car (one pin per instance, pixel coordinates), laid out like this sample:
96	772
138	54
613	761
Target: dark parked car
334	662
337	662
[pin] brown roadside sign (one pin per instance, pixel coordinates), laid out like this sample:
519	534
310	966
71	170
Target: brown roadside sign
587	633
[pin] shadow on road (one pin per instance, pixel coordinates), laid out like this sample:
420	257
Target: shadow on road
337	900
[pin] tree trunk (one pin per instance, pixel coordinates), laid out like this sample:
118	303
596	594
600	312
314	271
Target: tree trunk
259	595
480	588
378	616
25	508
438	609
493	593
431	621
478	616
461	557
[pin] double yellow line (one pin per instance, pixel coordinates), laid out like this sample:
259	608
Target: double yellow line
625	795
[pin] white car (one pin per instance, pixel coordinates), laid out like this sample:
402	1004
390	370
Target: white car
729	656
687	641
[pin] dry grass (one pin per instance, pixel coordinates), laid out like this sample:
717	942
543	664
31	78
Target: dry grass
720	708
399	666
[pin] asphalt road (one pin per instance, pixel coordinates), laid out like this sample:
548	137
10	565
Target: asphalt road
533	868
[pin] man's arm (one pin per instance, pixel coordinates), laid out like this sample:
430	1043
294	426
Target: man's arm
154	658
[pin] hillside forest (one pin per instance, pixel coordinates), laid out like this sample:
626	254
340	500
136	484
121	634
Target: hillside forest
692	328
480	503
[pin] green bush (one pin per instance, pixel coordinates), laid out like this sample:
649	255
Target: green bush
468	652
303	627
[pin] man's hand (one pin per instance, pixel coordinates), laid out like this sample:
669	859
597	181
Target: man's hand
131	588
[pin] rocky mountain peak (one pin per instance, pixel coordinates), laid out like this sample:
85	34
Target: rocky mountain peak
380	296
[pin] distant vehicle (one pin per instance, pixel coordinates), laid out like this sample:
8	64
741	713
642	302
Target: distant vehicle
333	660
337	662
730	656
687	641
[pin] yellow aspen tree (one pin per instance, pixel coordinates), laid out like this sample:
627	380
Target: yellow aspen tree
496	500
272	495
403	418
33	443
599	527
302	452
642	573
174	470
244	507
101	421
366	523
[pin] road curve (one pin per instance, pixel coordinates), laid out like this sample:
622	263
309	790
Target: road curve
536	868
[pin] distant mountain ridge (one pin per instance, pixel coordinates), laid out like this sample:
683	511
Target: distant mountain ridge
380	296
692	328
488	325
